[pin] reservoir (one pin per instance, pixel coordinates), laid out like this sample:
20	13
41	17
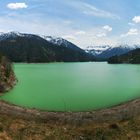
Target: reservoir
74	86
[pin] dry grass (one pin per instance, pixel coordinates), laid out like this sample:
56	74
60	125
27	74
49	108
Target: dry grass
18	129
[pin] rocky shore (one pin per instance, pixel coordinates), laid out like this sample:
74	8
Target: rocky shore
118	113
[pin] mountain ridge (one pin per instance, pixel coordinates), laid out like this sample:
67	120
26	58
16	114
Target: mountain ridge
105	52
21	47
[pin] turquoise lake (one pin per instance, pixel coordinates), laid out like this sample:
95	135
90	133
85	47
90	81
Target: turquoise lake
74	86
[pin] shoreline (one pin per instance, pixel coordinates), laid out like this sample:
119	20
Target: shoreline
117	113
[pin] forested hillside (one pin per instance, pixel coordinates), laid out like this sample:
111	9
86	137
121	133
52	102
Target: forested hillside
132	57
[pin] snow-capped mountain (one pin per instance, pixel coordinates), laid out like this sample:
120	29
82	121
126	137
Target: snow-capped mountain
60	41
21	47
4	36
59	45
55	40
96	50
13	35
118	50
105	52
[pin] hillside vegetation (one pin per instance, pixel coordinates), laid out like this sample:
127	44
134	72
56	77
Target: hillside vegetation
7	77
132	57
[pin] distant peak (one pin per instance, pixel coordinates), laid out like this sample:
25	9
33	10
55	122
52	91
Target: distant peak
55	40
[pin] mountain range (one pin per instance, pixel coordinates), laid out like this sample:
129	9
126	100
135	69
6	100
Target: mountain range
20	47
105	52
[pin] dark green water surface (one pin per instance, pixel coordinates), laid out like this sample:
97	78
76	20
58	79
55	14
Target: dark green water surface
74	86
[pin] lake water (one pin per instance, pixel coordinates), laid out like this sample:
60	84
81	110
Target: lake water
74	86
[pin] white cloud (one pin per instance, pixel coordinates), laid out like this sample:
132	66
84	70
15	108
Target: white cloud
101	35
30	24
107	28
136	19
91	10
69	37
16	6
103	31
68	22
80	33
131	32
33	24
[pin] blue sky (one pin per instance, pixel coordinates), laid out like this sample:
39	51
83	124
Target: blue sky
83	22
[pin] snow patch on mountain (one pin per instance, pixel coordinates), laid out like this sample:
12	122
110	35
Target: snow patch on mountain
106	52
56	40
11	35
96	50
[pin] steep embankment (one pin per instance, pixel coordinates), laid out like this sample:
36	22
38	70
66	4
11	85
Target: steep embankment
7	77
132	57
